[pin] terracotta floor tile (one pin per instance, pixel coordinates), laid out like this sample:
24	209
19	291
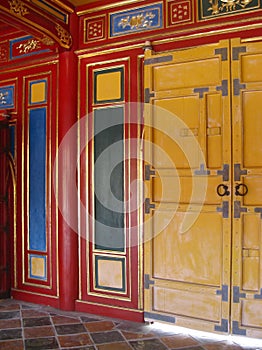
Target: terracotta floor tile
37	332
114	346
10	314
11	323
179	341
74	340
70	329
10	334
41	343
152	344
107	337
81	348
33	313
90	319
34	322
11	307
12	345
135	336
58	320
99	326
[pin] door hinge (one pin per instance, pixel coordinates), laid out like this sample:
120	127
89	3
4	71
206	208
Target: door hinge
236	330
258	296
223	327
202	170
148	95
223	88
238	209
223	52
238	87
161	59
148	172
224	172
258	210
201	91
238	172
148	281
223	292
224	209
159	317
237	295
148	206
236	51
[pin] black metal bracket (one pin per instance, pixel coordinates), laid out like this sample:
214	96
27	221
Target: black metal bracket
237	295
224	172
224	209
223	292
148	206
148	281
148	172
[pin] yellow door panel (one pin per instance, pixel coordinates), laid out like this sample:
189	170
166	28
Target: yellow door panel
254	187
187	74
187	303
192	249
250	63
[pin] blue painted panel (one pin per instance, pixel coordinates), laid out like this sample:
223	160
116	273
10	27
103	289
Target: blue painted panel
55	12
138	20
14	52
7	97
37	179
12	139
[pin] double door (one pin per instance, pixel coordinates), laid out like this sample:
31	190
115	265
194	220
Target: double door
203	187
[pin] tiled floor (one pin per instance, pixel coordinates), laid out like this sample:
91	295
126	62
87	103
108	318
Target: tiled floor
29	326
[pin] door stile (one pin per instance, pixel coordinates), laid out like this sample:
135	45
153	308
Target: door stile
247	188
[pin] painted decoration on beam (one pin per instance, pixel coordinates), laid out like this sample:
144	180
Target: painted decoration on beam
138	20
7	97
179	12
26	46
211	8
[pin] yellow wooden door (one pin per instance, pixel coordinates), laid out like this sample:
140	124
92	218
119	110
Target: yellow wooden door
247	188
187	179
203	209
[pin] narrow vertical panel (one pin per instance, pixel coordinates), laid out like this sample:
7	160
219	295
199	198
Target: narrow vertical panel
109	179
37	179
12	139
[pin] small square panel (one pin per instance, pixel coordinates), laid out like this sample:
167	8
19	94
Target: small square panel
94	28
37	92
179	12
7	97
109	85
110	273
37	265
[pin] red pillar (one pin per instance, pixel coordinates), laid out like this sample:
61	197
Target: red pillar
67	237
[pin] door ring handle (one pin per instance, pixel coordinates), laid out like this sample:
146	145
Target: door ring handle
225	190
238	187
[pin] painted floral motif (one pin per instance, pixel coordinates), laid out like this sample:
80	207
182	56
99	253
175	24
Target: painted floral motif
142	20
17	7
29	46
219	6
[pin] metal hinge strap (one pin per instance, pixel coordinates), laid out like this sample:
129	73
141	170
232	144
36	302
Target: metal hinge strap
258	210
224	209
238	209
148	172
148	95
238	87
236	330
224	172
159	317
148	281
223	52
223	327
201	91
202	170
161	59
237	295
223	88
223	292
148	206
238	172
236	51
258	296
